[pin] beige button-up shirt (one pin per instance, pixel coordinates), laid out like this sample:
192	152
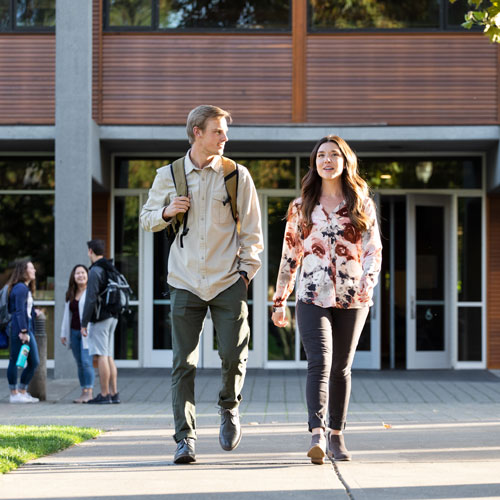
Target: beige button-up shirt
213	252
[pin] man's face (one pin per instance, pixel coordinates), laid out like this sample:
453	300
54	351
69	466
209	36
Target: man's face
213	139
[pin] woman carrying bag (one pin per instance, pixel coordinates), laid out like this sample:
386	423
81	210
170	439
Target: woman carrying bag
21	290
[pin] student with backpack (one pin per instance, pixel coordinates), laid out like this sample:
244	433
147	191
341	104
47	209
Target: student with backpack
21	288
103	321
211	206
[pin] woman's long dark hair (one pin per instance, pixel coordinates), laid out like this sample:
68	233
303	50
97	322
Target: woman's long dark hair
354	188
20	275
73	285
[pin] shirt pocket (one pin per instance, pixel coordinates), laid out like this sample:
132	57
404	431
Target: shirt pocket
221	208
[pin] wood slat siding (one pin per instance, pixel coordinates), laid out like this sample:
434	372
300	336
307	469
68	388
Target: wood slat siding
412	79
158	79
101	216
493	284
27	79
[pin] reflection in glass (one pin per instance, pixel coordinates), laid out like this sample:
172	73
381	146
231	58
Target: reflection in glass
430	252
27	231
27	173
406	173
273	173
281	341
469	240
229	14
382	14
162	326
137	173
127	336
430	327
35	13
4	19
127	239
469	333
276	210
130	13
456	12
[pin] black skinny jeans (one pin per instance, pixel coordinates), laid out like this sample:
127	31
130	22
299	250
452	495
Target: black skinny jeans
330	337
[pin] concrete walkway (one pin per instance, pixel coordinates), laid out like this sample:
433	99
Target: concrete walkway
413	435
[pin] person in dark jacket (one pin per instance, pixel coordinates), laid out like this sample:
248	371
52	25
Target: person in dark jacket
21	290
100	325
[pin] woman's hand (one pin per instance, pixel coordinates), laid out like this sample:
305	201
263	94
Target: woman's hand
279	318
64	340
364	294
25	337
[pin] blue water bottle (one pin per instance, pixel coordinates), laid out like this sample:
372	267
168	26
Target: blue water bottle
22	359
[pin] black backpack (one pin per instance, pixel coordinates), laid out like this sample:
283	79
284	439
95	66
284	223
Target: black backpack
115	298
4	317
4	307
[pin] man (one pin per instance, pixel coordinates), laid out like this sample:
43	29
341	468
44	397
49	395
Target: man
101	330
210	266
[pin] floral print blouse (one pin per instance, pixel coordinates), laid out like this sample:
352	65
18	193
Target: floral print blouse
339	265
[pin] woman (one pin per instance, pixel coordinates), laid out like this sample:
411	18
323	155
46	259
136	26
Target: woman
21	290
332	233
70	330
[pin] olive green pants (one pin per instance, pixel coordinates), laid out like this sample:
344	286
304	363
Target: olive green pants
229	313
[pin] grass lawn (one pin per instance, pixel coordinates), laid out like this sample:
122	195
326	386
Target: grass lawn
20	443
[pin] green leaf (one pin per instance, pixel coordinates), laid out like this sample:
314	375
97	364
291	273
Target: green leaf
467	25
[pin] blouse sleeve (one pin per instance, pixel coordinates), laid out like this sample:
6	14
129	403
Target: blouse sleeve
293	249
372	247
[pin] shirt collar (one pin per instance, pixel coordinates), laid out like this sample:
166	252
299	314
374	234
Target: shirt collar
190	166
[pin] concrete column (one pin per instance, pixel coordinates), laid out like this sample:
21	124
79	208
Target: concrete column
77	149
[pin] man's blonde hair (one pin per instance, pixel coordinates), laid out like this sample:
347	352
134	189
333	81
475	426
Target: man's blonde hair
198	118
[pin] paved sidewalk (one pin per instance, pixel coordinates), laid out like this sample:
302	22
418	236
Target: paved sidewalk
413	435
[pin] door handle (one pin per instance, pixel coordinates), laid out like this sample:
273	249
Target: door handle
412	307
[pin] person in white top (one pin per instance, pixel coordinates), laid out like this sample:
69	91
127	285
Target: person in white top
71	331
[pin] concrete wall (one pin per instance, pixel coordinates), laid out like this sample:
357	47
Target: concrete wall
76	154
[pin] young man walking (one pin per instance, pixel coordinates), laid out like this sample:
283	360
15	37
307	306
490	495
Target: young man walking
101	325
210	266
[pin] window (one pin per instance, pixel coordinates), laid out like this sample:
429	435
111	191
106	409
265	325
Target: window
197	14
27	227
27	15
329	15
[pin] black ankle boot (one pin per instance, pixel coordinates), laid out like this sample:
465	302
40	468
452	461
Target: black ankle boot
336	447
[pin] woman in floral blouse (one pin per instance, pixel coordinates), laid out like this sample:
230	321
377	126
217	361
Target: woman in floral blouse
332	234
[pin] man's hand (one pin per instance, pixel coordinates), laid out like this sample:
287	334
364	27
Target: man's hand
83	331
180	204
64	340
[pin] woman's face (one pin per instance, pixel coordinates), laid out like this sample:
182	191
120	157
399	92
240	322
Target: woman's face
30	272
81	277
329	161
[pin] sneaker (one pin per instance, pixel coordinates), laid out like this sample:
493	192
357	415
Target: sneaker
30	398
18	398
100	400
115	399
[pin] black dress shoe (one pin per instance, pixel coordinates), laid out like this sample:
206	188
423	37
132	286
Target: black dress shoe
184	454
230	429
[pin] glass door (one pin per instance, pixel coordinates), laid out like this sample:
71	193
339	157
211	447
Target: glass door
428	281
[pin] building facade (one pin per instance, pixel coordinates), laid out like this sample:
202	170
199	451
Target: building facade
90	110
